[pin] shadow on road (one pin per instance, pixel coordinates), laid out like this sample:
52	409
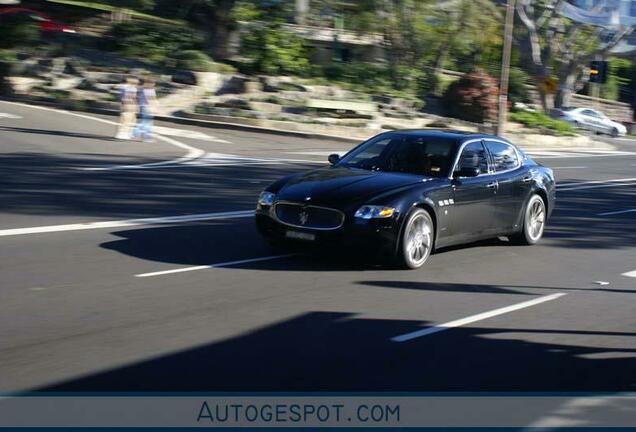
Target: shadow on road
333	351
58	133
44	184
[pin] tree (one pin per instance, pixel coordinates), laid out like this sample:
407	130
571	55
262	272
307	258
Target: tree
215	17
555	45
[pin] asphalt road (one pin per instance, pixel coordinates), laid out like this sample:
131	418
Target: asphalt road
97	302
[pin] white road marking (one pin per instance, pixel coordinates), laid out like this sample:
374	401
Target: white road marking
569	167
211	266
475	318
9	116
126	222
184	133
595	184
631	274
576	153
192	152
616	212
586	182
319	153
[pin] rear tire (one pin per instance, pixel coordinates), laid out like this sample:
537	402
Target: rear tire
534	218
416	241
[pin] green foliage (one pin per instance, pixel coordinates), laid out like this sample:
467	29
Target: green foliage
535	119
518	87
275	51
154	41
619	78
473	97
132	4
8	56
17	31
194	60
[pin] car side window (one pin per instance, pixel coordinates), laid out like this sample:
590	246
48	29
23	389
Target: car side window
474	156
504	156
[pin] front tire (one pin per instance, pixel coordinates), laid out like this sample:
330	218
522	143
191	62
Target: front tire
614	133
534	219
416	242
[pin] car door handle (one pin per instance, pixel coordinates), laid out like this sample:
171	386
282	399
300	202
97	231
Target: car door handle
527	179
492	185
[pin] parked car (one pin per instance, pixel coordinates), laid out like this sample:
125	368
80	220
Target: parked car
403	194
592	120
46	23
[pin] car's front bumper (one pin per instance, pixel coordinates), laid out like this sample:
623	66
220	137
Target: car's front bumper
373	236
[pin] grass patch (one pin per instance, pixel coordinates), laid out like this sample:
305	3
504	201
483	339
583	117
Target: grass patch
538	120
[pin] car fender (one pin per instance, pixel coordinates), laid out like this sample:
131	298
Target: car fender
425	203
538	189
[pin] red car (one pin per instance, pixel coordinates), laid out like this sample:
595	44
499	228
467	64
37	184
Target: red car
46	23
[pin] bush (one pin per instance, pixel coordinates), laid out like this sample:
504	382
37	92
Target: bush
18	32
535	119
517	87
275	51
194	60
154	41
8	56
473	97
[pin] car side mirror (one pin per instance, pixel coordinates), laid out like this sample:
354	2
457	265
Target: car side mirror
466	172
333	158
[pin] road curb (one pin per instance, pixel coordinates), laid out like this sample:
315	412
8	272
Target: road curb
190	121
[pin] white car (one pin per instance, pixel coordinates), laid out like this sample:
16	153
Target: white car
595	121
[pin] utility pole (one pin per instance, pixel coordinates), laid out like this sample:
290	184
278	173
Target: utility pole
505	68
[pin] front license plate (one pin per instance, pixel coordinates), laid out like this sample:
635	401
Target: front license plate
300	235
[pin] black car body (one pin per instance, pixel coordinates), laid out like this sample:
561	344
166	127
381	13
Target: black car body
471	187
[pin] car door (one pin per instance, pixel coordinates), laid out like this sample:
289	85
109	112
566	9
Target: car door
514	183
592	121
472	206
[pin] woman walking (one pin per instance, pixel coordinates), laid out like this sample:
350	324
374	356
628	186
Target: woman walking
128	108
147	100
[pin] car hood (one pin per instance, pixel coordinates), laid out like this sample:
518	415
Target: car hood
338	187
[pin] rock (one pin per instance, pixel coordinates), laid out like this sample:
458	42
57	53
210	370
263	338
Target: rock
88	84
438	124
266	107
234	103
253	87
386	100
74	67
63	83
185	77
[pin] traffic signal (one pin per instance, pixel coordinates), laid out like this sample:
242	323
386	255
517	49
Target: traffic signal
598	72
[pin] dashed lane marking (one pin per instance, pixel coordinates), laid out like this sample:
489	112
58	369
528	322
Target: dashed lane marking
631	274
211	266
612	213
126	222
471	319
9	116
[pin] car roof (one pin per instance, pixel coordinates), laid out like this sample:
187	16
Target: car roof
456	135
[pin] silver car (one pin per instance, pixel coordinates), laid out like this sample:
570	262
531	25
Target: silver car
592	120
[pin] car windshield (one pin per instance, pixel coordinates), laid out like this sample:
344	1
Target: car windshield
401	153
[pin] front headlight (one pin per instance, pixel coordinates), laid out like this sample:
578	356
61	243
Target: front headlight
374	212
266	199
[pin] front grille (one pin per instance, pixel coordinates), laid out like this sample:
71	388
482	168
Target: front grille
303	216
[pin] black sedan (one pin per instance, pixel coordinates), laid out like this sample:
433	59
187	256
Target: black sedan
405	193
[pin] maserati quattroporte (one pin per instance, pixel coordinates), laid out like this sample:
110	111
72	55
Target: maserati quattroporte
405	193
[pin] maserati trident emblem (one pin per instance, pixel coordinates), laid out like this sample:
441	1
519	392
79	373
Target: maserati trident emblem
303	216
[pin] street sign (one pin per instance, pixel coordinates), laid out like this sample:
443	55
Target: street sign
549	85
